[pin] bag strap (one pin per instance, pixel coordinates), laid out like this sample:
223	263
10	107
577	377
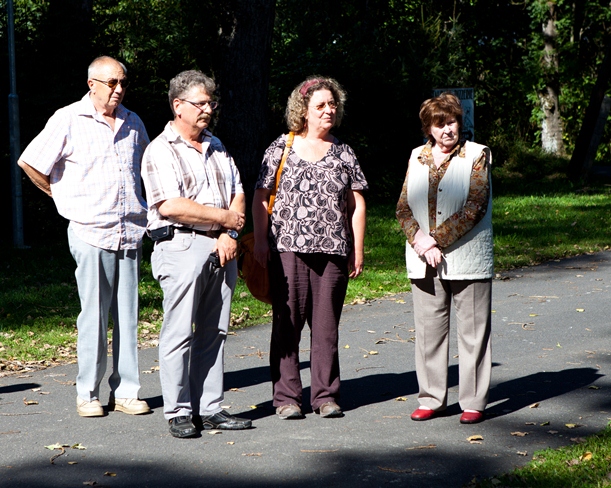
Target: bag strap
287	148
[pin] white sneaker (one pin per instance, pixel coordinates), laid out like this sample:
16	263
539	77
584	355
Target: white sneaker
89	409
131	406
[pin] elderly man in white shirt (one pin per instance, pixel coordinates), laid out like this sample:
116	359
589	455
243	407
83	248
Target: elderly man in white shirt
87	158
196	209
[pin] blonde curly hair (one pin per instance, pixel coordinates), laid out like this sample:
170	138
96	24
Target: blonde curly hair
297	104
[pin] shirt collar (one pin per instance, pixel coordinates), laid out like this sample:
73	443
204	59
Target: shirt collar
86	107
174	137
426	154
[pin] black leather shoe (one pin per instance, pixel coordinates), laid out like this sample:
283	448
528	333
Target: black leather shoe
223	421
182	427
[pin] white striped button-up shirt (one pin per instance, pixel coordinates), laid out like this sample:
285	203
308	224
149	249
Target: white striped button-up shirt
173	168
94	172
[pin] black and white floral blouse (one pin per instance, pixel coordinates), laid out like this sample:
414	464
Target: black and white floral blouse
310	214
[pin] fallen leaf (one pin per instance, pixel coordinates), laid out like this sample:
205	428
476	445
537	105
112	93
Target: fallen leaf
475	437
253	406
593	387
400	301
534	405
235	389
89	483
394	470
79	446
214	432
319	450
373	353
108	473
57	445
571	426
400	399
552	432
29	402
231	443
530	423
35	389
430	446
580	309
72	462
533	314
251	454
543	424
522	453
346	346
371	331
519	434
578	440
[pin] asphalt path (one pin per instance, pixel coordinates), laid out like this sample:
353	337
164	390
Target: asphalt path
550	387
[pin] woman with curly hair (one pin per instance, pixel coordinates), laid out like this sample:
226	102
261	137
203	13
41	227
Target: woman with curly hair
313	242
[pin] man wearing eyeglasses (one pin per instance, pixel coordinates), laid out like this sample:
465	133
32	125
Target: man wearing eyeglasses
196	210
87	158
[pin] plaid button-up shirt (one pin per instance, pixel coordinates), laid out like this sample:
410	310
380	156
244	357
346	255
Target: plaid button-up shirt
173	168
94	172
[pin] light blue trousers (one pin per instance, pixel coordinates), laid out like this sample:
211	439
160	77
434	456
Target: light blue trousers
106	280
196	307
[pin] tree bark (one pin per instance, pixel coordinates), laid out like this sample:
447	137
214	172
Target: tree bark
577	167
244	83
551	129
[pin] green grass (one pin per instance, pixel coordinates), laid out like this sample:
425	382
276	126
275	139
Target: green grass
584	465
39	302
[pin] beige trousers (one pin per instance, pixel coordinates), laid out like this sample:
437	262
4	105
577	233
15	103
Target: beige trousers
432	303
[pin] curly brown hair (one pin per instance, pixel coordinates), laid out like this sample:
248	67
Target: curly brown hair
435	111
298	101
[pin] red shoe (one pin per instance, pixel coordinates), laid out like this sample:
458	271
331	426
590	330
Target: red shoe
471	417
423	414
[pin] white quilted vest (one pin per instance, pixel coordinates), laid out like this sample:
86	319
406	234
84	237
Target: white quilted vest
471	256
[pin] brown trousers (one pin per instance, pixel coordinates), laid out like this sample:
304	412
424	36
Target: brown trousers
432	303
308	287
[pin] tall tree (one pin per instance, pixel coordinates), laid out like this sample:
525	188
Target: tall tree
549	96
246	36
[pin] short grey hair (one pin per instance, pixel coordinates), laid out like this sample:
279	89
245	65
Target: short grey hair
100	61
183	82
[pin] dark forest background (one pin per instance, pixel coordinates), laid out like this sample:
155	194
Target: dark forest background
533	64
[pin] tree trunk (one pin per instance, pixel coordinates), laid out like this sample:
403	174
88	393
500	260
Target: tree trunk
244	83
577	167
551	129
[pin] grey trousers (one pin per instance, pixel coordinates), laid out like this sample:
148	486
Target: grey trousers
197	306
106	280
432	302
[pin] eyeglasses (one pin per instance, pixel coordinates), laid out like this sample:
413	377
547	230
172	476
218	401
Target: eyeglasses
201	105
113	82
321	106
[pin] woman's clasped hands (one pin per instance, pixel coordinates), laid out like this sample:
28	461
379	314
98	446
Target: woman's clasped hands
426	246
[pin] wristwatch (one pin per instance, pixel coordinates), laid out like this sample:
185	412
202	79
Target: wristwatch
232	233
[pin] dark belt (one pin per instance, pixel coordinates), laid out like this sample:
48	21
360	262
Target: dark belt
167	233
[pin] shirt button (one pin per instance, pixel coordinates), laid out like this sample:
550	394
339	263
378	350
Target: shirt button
439	213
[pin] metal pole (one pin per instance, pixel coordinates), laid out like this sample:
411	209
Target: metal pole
13	111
